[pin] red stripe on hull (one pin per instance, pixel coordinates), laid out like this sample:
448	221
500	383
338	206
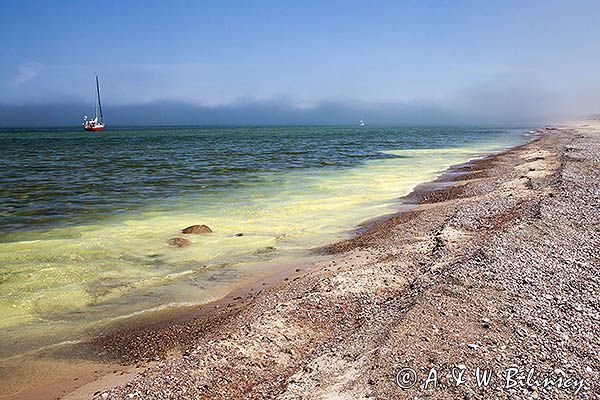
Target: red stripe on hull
94	129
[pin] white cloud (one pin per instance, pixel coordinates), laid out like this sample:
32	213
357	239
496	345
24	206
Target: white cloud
27	71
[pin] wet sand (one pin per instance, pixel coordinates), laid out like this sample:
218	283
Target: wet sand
494	265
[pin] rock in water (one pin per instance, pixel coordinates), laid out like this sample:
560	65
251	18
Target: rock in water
265	250
179	242
197	230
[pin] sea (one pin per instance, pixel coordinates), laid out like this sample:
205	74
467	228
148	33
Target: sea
85	217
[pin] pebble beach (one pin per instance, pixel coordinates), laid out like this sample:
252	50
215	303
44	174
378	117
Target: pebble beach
495	267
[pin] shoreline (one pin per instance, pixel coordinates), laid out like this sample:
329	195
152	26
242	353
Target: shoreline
118	351
238	298
146	344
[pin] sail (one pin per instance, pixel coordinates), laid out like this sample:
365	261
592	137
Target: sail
99	103
96	124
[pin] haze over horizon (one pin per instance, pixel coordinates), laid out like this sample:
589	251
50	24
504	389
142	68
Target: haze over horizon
429	62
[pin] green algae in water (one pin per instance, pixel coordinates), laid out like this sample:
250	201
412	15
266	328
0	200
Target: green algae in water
85	217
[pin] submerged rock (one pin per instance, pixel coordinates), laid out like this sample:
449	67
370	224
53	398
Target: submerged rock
264	250
197	230
178	242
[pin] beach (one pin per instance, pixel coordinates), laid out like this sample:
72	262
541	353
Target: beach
313	200
494	266
497	270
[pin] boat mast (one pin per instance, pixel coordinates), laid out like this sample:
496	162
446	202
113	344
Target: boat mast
98	104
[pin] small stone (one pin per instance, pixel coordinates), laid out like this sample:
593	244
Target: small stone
522	332
197	230
178	242
265	250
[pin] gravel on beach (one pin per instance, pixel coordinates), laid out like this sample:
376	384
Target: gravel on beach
500	270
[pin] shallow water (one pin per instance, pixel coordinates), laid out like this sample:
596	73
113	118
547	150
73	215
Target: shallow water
84	217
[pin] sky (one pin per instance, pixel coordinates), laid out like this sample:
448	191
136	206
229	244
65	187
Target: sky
277	62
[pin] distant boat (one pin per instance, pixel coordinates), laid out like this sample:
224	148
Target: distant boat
96	124
361	123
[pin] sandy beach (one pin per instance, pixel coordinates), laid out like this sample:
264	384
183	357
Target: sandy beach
494	266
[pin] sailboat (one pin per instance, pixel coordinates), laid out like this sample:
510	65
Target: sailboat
96	124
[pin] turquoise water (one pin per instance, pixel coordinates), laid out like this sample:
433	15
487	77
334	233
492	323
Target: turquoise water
85	216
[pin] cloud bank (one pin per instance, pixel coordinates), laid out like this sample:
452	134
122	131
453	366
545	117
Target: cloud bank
508	101
514	108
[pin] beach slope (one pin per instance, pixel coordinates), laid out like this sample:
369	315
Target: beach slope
499	270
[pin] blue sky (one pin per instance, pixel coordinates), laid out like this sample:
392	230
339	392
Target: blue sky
469	57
